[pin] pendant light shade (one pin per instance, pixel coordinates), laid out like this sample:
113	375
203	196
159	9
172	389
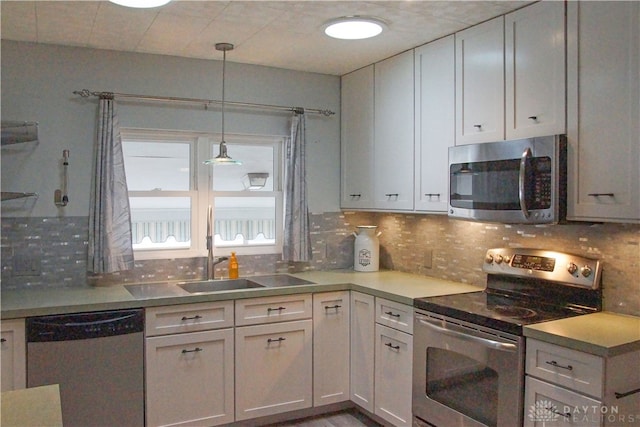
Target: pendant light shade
141	4
223	157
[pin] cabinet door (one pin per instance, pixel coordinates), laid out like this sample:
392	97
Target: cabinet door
14	355
547	404
434	122
189	379
535	70
362	349
393	133
273	368
393	377
356	162
622	388
480	83
330	347
603	111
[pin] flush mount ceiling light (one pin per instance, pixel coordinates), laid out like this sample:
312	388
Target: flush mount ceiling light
223	158
354	27
140	3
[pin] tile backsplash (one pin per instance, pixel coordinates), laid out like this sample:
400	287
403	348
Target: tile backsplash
52	252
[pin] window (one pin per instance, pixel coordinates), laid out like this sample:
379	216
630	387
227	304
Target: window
170	190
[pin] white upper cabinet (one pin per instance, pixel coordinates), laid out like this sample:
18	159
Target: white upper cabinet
603	111
535	71
393	133
357	139
480	83
434	122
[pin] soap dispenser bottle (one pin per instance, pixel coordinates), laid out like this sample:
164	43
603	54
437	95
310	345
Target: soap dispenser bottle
233	266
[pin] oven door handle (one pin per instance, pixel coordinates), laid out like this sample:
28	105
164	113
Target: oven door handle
496	345
526	155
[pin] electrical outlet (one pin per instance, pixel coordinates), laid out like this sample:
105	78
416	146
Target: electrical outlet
427	260
26	265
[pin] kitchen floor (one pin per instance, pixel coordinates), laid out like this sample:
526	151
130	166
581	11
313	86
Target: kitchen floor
350	418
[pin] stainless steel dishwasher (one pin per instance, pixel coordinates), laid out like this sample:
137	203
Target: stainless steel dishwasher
97	359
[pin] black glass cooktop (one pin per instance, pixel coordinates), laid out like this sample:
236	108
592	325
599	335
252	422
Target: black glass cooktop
501	312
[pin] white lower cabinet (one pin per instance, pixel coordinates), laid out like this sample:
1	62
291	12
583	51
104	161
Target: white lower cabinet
190	379
362	349
14	360
393	360
330	347
273	368
189	372
576	388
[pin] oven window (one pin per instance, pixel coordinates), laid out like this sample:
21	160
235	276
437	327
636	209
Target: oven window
466	385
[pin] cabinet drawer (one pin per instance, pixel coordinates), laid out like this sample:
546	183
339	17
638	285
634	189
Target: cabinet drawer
573	369
255	311
395	315
548	404
188	318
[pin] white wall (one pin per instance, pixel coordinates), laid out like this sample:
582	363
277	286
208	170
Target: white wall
38	83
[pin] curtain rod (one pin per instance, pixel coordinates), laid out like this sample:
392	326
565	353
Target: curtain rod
85	93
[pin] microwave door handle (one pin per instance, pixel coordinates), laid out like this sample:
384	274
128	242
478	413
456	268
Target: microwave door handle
471	338
526	155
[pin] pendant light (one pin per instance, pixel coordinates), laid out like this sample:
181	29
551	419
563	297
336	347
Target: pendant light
223	158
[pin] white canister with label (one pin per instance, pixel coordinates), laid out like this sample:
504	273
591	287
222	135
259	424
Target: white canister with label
366	249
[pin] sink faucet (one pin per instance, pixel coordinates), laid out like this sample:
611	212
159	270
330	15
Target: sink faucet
211	260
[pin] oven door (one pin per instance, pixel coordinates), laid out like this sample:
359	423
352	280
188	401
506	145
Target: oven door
466	375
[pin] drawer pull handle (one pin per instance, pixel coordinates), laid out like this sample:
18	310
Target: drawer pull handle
391	313
478	127
392	195
629	393
562	414
432	194
3	340
534	118
276	309
355	195
557	365
196	317
601	194
332	307
270	340
392	347
195	350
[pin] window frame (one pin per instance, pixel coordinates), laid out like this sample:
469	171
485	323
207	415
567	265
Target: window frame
202	147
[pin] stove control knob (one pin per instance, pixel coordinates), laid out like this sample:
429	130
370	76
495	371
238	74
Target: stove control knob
488	259
572	268
586	271
499	259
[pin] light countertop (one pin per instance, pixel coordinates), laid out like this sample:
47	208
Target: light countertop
602	334
393	285
36	406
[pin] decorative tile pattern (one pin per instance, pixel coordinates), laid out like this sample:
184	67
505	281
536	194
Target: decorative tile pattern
430	245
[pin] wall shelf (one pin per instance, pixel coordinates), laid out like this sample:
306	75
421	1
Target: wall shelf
17	132
11	195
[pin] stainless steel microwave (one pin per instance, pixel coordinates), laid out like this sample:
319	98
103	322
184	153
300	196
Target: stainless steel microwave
519	181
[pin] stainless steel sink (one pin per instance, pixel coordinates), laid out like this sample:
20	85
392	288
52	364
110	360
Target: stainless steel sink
176	289
219	285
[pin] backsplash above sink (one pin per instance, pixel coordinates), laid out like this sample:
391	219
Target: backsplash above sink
430	245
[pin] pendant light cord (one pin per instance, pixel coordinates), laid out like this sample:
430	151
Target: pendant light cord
224	66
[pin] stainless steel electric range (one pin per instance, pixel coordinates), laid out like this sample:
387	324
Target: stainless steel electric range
469	348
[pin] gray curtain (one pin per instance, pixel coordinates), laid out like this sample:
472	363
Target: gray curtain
110	242
297	238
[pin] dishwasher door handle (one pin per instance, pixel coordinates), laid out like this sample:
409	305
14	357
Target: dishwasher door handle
496	345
